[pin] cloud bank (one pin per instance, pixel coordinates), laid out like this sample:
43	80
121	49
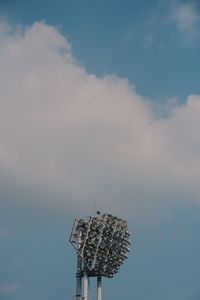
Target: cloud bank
71	139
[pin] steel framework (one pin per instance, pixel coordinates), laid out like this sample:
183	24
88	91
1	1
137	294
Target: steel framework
102	244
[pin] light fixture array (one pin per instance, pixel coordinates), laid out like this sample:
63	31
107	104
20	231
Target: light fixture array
102	241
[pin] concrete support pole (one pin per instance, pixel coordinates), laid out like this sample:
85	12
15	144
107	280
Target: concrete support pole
85	285
99	288
79	278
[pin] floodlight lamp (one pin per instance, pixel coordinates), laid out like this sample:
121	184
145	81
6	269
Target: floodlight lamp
102	243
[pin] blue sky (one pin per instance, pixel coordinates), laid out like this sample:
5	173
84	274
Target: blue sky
99	107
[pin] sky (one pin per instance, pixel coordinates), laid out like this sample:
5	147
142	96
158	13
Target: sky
99	109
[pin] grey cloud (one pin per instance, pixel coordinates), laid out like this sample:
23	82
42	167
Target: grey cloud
4	233
186	16
10	288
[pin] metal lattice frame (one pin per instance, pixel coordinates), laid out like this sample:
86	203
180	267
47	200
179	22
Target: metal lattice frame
102	241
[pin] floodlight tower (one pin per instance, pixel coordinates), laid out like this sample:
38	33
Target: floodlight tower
102	244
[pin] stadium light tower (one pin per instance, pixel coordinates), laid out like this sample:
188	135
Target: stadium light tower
102	244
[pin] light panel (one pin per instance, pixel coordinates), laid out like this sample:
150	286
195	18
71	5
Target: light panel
102	241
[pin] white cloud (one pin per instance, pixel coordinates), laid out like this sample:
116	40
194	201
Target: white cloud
76	139
10	288
186	17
